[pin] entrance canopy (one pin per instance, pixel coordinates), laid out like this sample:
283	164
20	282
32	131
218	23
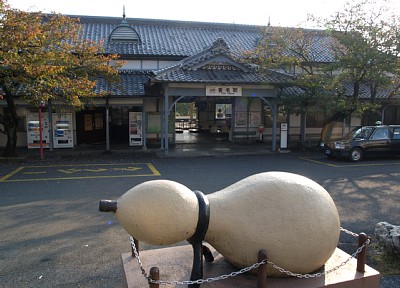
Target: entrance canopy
216	72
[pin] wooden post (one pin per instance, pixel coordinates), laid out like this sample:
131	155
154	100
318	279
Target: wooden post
154	275
262	270
137	247
362	256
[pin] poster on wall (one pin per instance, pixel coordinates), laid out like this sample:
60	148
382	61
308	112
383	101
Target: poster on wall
255	119
241	119
33	131
135	129
153	123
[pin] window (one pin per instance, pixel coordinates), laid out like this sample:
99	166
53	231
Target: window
396	133
268	117
380	133
223	111
315	119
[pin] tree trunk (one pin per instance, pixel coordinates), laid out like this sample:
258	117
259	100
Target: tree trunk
10	123
11	146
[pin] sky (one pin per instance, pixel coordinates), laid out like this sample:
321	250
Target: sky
290	13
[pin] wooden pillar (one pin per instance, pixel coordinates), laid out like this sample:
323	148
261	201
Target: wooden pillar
154	275
362	256
262	270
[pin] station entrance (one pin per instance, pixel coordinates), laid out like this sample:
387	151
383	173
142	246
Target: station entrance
205	121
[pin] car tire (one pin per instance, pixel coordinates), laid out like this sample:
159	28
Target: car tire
356	154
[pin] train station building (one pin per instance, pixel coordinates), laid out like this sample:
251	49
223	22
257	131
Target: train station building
170	63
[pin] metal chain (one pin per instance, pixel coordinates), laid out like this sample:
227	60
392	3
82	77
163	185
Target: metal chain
315	275
247	269
138	258
348	232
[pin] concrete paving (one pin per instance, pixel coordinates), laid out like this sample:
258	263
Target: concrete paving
210	147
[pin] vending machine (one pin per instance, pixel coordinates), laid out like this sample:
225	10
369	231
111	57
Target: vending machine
33	130
135	129
62	130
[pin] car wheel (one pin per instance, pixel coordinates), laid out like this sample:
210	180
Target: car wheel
356	154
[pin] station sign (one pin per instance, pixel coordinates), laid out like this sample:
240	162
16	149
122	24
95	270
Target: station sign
223	91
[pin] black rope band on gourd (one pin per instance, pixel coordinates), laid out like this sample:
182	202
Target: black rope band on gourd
197	239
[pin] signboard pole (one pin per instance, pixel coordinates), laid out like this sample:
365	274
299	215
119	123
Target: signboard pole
40	132
51	138
284	133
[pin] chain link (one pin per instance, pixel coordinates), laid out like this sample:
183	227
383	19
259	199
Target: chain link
247	269
348	232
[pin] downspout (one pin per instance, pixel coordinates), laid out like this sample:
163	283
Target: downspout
144	132
275	121
383	114
166	124
274	109
108	148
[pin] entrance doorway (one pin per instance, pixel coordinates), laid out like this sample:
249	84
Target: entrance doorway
119	125
91	126
204	121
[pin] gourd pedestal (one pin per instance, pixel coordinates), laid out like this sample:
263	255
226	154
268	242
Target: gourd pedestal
174	264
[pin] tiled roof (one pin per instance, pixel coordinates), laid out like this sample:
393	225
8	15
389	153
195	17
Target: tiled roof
180	39
217	76
131	84
168	38
215	64
365	91
291	91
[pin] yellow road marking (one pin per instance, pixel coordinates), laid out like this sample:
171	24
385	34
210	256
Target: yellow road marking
2	179
319	162
75	169
80	177
349	165
153	169
127	169
69	171
95	170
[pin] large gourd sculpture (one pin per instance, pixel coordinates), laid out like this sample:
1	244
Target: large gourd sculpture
290	216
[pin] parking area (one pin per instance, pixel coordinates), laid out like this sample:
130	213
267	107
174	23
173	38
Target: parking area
79	171
341	163
53	234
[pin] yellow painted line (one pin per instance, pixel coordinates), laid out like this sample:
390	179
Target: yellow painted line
2	179
84	165
319	162
80	177
349	165
127	169
130	168
153	169
95	170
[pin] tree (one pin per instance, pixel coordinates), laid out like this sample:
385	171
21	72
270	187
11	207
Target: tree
361	46
42	58
366	53
294	52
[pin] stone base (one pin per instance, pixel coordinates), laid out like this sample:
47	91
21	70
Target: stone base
175	264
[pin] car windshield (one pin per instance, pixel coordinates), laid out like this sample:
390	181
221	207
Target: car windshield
362	132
